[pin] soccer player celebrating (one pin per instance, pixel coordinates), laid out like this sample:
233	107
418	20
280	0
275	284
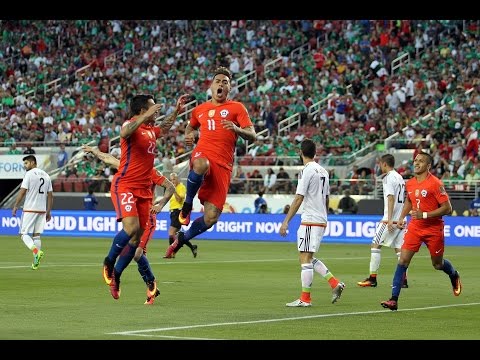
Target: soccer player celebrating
141	253
313	191
220	121
387	233
426	202
131	188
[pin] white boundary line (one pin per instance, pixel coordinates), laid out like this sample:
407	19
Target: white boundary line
173	262
142	332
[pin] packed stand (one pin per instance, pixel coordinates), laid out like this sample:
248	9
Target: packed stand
91	106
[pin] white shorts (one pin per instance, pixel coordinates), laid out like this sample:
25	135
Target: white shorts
309	237
32	223
385	238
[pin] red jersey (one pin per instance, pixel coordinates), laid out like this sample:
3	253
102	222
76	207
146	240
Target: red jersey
215	141
157	177
136	160
426	196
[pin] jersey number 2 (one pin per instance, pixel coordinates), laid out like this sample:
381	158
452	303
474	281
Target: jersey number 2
40	188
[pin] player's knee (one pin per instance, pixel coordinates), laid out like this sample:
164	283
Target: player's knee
130	230
210	220
200	166
403	262
131	226
138	254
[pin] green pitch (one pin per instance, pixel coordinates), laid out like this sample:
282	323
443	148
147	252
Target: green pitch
233	290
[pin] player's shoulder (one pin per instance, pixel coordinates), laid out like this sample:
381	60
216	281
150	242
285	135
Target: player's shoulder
157	177
46	175
203	106
313	166
321	168
411	182
28	173
42	173
394	176
128	121
234	105
433	180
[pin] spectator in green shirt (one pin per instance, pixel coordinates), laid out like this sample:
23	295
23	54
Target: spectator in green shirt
13	150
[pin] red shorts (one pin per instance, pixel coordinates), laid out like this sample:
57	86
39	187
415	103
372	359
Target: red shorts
132	202
215	185
433	237
148	232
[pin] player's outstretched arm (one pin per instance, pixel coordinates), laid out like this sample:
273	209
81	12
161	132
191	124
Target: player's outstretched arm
190	134
169	190
130	128
167	123
106	158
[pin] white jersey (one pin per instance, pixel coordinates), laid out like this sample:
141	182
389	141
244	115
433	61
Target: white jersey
313	184
393	184
38	184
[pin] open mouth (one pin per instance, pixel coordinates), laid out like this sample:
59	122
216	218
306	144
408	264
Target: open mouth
219	91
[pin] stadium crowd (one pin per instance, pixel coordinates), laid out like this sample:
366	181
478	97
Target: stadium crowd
102	63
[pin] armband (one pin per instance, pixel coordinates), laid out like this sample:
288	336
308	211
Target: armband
424	214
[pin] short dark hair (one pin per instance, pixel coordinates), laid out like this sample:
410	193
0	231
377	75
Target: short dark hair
223	71
30	158
388	159
308	148
428	156
139	102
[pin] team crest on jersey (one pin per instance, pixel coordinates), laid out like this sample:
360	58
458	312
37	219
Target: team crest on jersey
224	113
128	207
424	193
211	113
442	191
417	193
